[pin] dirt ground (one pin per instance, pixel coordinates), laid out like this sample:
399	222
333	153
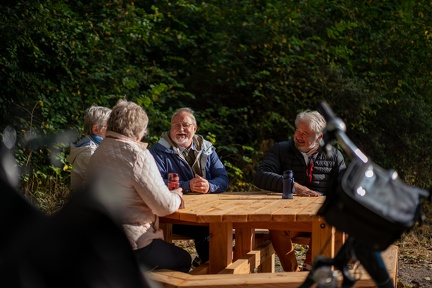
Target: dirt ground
414	270
414	276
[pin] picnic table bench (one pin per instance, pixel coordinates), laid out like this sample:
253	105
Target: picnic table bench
240	277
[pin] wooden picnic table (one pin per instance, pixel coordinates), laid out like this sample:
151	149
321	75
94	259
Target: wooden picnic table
247	211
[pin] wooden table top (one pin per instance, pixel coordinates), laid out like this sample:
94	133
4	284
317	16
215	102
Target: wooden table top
247	211
242	207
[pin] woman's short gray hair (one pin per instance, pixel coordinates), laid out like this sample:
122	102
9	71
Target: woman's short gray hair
315	120
96	115
128	118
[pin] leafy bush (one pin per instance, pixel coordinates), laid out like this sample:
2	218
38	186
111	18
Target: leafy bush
246	67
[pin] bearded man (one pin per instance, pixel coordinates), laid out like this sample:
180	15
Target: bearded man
200	170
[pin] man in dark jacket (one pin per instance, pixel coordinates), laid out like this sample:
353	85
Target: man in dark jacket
199	168
313	173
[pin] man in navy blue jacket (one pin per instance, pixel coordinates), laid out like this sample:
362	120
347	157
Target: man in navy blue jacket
196	162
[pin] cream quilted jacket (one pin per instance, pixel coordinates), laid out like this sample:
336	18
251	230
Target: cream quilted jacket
141	192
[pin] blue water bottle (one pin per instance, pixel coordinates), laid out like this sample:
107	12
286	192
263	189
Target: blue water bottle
288	185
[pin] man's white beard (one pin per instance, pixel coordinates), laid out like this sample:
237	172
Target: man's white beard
181	141
312	148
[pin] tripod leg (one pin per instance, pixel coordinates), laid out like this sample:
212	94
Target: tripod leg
341	260
321	266
374	265
319	263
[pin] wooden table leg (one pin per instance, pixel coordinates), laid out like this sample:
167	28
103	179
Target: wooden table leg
167	230
244	242
221	241
339	240
323	239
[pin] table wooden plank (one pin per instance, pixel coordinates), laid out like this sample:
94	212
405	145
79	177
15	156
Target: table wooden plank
234	208
242	215
196	200
287	208
196	205
223	208
250	194
309	212
265	212
290	212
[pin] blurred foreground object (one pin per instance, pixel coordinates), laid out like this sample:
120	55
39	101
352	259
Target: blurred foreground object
81	246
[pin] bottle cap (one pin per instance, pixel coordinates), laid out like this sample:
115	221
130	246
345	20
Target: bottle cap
288	174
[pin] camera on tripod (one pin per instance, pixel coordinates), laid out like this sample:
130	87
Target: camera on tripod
369	203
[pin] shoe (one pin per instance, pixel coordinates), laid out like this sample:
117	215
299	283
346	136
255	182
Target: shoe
306	267
196	262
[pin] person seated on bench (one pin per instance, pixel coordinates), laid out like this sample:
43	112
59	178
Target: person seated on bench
312	170
122	164
200	170
95	121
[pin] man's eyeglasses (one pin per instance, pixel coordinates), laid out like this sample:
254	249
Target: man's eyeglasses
184	125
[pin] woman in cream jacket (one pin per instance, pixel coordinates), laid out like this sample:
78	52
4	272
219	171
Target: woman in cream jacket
128	170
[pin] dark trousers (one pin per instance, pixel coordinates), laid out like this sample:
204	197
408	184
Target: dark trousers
163	255
200	235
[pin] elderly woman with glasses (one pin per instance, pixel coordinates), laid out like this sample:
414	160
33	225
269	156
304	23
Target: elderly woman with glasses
126	170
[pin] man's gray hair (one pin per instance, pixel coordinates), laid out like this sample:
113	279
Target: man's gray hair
315	120
187	110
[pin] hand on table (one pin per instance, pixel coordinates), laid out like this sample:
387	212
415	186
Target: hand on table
179	192
303	191
199	184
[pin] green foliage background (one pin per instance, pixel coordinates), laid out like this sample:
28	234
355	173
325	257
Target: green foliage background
246	68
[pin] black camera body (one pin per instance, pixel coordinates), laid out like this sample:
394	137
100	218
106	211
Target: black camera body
372	205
